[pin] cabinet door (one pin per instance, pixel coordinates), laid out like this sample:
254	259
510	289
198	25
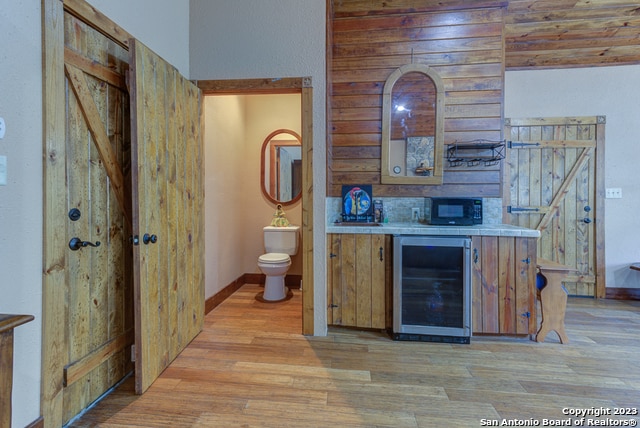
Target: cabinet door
503	281
357	280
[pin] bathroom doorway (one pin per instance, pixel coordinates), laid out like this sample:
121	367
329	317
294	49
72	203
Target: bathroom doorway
237	116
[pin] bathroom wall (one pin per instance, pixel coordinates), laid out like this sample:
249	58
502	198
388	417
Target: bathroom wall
255	39
235	209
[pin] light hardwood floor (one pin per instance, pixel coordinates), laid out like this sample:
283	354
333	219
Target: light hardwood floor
251	367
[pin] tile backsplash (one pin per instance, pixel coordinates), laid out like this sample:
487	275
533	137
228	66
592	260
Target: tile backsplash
400	210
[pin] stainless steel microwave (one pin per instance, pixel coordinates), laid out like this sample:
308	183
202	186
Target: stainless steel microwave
453	211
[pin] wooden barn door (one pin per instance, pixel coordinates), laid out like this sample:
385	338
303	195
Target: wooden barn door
94	170
167	212
554	168
88	309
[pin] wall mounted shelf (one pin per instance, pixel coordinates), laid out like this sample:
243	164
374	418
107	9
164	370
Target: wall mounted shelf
473	153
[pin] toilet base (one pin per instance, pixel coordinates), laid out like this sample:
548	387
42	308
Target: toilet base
274	288
260	297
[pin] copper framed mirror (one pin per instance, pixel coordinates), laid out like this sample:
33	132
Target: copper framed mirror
281	167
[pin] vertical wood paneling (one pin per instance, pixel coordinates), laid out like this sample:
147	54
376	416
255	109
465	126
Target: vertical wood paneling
476	284
490	280
359	280
348	279
335	276
308	289
363	280
506	285
524	280
463	46
503	284
379	256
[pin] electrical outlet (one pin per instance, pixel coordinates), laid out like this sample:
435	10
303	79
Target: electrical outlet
613	193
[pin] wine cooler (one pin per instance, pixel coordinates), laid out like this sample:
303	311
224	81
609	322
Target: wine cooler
432	288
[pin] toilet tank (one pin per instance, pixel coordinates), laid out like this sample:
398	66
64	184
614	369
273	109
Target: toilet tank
281	239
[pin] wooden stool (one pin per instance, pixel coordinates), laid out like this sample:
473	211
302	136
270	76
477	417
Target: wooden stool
553	299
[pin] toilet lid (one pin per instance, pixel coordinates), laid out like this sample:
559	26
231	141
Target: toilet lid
274	258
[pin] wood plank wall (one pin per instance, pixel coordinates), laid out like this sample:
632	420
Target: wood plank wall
371	39
571	33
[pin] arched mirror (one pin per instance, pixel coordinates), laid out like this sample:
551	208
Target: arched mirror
412	126
281	167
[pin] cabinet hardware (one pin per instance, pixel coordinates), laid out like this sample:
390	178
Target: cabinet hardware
74	214
587	220
76	243
475	255
381	251
511	209
514	144
146	238
526	314
331	255
135	240
333	305
527	260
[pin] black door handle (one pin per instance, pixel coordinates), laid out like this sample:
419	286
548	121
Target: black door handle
146	238
76	243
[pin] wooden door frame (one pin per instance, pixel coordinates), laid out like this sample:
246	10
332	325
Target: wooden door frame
598	159
54	189
287	85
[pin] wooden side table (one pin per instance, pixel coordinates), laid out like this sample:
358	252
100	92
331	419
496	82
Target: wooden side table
7	324
553	299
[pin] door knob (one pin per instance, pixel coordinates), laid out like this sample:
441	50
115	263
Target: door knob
76	243
146	238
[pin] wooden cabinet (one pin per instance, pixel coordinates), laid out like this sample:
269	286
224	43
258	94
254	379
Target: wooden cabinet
359	285
503	285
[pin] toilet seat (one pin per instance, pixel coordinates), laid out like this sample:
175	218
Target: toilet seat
273	258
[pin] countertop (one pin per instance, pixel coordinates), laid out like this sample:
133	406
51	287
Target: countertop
425	229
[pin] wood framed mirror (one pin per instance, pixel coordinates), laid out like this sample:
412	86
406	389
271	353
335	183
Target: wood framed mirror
281	167
413	126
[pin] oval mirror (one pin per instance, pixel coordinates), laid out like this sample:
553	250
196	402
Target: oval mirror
412	126
281	167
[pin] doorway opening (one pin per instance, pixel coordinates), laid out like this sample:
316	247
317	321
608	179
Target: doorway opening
252	99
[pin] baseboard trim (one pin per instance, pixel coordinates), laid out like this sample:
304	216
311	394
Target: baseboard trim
38	423
291	281
622	293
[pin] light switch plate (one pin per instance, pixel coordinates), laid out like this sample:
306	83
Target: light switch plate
3	170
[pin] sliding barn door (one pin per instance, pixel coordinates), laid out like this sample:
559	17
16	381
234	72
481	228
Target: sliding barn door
554	172
167	212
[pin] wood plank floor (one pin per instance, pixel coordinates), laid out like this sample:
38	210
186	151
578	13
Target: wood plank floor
251	367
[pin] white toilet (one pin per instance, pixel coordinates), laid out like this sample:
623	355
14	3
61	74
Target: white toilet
280	243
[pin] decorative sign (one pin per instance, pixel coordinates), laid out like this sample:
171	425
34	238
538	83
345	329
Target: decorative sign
357	203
